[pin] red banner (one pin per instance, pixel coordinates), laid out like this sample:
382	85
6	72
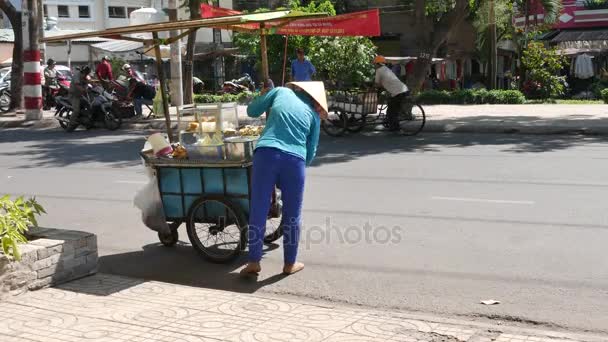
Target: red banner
365	23
208	11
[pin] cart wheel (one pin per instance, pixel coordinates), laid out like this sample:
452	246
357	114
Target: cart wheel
336	123
356	123
216	228
274	224
411	119
169	240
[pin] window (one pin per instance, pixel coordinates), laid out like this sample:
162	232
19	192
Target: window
117	12
83	12
63	11
131	9
45	11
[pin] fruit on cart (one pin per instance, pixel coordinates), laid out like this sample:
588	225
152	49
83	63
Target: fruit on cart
251	131
192	126
230	132
179	152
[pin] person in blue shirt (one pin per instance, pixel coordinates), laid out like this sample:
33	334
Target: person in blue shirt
287	144
301	68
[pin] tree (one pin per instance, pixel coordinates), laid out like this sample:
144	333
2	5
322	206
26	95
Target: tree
344	59
14	16
434	21
543	67
194	8
503	10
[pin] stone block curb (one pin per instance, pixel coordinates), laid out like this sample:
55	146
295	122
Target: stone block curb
53	256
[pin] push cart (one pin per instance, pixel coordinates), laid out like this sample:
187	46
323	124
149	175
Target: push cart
212	199
353	110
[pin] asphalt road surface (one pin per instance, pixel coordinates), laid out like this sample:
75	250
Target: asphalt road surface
433	224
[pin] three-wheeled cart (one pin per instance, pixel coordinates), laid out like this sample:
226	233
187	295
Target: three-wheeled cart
212	199
351	110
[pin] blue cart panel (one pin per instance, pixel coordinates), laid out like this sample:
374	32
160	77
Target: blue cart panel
181	186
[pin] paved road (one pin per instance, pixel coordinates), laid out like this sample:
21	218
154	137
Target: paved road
520	219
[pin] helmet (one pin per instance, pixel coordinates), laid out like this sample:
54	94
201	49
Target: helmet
105	58
50	62
126	67
85	69
379	59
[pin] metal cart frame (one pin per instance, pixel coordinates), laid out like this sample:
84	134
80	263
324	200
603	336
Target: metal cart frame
187	186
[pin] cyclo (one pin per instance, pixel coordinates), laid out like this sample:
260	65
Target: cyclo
354	109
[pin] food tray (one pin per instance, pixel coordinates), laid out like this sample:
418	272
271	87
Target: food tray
150	160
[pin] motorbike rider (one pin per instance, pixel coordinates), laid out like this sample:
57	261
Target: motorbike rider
78	88
130	73
141	93
385	78
104	72
50	80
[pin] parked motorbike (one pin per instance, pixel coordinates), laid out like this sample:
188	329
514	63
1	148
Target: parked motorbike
63	85
95	110
239	85
5	97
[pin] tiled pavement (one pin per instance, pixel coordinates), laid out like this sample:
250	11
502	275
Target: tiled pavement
107	308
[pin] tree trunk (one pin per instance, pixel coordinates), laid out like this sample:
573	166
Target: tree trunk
14	16
195	13
431	34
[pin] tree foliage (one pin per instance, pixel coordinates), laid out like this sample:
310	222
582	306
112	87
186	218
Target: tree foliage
15	219
344	59
544	66
503	10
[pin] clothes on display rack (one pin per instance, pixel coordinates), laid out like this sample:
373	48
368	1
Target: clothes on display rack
583	67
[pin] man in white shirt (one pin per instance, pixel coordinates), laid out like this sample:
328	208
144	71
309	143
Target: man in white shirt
385	78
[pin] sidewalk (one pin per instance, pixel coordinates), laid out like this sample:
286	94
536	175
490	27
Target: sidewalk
524	119
119	309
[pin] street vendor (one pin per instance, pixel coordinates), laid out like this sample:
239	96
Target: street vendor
398	91
287	144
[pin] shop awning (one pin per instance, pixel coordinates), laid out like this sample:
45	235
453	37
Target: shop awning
243	22
547	35
581	35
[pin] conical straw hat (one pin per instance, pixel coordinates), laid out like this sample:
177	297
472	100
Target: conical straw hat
316	90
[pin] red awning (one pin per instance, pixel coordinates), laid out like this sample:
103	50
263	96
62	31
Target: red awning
364	23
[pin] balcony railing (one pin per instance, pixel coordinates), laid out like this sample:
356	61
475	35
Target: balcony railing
574	15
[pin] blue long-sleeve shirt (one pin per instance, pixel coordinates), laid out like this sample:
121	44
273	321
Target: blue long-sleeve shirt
293	125
302	71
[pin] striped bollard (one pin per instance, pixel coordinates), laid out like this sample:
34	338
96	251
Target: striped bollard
32	73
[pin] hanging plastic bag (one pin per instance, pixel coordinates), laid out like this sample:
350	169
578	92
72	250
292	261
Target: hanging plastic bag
149	202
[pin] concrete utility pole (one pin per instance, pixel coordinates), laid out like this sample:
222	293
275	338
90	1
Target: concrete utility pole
32	89
493	55
41	29
177	94
217	45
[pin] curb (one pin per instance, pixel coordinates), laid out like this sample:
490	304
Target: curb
431	127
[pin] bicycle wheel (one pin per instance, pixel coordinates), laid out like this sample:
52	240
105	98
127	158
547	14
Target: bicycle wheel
216	228
336	123
411	119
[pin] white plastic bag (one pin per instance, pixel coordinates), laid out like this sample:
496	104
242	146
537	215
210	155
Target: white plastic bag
151	205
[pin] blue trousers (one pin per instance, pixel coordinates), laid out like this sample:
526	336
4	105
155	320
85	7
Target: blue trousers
270	167
138	103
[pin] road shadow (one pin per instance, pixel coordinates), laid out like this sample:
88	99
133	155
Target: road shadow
354	146
55	148
184	267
